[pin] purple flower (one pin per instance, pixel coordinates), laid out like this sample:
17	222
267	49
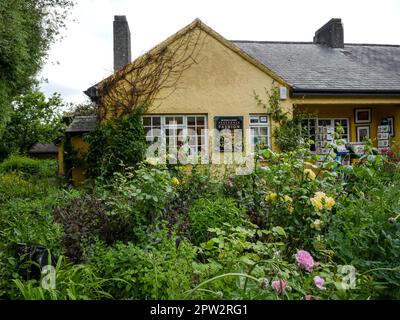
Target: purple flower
319	282
305	260
279	285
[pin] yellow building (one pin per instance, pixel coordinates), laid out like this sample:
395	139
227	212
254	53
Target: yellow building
355	85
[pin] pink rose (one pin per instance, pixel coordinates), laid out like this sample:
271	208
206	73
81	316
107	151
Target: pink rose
319	282
305	260
279	285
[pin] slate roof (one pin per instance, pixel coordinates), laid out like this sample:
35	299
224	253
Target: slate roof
313	67
40	148
82	124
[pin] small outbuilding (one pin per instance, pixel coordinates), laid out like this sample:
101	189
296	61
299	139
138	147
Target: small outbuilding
43	151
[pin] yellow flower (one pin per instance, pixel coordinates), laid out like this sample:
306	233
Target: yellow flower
309	174
317	203
316	224
320	195
329	203
175	181
321	201
271	197
286	198
290	208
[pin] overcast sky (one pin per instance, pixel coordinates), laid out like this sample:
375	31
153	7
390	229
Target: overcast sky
84	56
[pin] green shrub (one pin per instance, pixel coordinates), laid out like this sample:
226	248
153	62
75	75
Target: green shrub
13	185
29	166
114	145
30	221
161	270
142	195
367	235
212	213
8	272
242	263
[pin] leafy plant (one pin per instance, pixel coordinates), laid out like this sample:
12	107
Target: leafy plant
160	270
212	213
366	234
86	217
72	282
28	166
115	145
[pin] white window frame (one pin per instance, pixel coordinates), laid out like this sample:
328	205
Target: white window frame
260	125
334	119
164	126
334	125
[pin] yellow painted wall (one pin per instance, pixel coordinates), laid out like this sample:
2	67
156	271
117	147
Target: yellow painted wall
78	173
221	84
60	157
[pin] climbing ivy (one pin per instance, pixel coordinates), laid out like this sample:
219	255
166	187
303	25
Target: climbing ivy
288	132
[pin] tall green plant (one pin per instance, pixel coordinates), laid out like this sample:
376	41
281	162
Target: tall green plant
288	132
114	145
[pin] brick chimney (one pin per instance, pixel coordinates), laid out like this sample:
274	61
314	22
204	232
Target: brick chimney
122	42
330	34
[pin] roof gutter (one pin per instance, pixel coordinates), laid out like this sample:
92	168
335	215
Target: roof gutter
344	93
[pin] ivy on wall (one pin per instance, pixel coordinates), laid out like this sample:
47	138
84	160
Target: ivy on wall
288	132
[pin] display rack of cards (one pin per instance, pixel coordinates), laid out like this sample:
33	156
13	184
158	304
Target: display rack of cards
383	137
323	137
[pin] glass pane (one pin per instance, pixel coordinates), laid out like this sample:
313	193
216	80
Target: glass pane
169	120
263	131
156	121
146	121
191	121
253	119
200	121
179	120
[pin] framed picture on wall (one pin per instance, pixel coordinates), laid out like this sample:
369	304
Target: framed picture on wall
362	133
383	136
383	143
391	125
383	128
362	115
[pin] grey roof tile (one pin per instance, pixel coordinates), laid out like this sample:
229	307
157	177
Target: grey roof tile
309	66
43	148
82	124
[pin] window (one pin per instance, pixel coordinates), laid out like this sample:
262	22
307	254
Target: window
321	130
334	123
260	131
177	130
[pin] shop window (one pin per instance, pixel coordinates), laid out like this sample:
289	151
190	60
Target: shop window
176	131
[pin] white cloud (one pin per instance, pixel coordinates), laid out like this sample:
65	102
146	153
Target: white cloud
85	54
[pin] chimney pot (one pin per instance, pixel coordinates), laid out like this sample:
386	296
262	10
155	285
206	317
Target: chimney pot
330	34
122	42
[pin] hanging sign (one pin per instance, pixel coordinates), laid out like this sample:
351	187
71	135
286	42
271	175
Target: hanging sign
230	123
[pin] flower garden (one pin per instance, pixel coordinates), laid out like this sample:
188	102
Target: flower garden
289	230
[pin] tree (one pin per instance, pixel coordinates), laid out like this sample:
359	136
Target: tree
27	29
87	108
33	119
